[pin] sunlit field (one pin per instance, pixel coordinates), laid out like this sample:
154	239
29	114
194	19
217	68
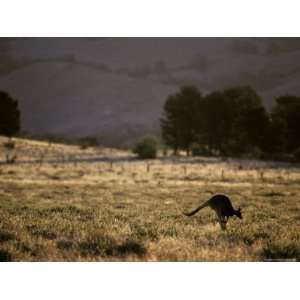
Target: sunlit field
63	203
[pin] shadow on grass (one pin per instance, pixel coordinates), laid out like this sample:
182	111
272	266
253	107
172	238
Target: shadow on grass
32	250
278	251
102	245
5	256
130	247
273	194
6	236
247	236
250	238
64	244
44	233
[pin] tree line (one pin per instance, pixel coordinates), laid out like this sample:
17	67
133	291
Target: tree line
230	122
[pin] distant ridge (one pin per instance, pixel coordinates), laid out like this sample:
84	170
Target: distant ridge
114	89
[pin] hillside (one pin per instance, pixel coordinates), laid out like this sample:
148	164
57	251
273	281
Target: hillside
114	108
114	89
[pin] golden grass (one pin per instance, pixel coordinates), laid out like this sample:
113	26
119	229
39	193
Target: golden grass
76	206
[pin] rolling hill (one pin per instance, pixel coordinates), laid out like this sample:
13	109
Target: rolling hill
114	88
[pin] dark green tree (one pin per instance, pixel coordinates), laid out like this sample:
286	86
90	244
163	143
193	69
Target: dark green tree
286	119
9	115
247	119
258	124
179	121
233	121
170	123
215	122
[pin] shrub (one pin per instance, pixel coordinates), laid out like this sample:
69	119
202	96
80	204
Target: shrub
146	148
88	141
10	149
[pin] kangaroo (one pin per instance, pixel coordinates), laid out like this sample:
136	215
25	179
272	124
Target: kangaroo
221	204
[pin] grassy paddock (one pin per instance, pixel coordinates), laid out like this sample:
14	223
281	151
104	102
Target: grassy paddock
61	203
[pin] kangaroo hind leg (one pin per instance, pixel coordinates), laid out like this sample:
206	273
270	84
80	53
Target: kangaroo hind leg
222	222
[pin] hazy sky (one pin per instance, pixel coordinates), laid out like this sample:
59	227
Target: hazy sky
207	62
69	84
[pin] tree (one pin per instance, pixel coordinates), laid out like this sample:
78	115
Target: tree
170	123
286	116
233	120
255	126
215	122
249	119
179	121
9	115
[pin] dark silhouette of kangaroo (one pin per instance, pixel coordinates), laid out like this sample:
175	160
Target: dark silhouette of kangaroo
221	204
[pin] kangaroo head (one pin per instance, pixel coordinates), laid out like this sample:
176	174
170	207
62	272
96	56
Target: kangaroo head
238	213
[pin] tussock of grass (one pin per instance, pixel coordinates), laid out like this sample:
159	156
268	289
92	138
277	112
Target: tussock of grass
130	246
97	245
64	244
281	251
144	231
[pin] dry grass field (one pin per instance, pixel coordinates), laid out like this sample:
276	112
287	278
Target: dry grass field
61	203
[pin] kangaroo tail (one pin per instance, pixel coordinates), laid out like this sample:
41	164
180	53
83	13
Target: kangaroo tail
197	209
